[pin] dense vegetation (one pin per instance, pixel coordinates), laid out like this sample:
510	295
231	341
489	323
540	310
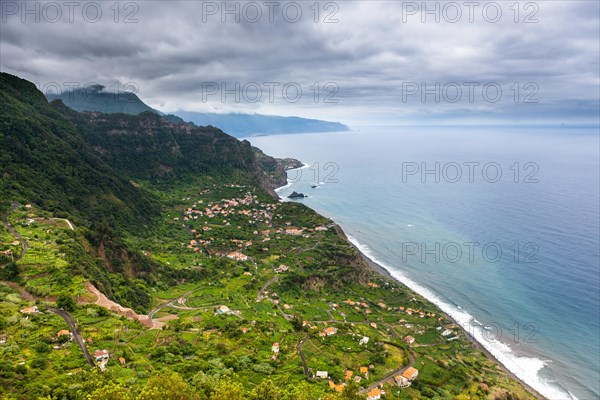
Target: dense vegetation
238	283
44	160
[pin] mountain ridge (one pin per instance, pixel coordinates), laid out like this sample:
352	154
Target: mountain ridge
95	99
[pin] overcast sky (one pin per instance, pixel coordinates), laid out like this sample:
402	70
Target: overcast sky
369	61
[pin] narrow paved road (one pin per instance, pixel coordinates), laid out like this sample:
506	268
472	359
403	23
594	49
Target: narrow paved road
14	232
169	303
69	319
265	286
301	354
411	362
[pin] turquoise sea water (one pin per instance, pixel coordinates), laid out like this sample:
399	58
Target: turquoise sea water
505	237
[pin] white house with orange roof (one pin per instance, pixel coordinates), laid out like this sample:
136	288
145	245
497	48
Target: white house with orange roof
375	394
411	373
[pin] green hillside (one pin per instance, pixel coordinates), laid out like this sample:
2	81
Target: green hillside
184	277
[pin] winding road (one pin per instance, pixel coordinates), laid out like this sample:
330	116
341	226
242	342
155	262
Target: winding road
411	362
170	303
76	334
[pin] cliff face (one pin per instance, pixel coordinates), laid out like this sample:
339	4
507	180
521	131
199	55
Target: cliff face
151	147
44	160
275	168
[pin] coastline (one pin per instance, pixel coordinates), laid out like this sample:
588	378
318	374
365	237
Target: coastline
383	271
378	268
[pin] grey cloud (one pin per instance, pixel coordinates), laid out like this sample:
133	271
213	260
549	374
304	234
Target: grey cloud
369	54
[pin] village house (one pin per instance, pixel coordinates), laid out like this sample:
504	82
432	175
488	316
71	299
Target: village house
6	253
364	340
101	355
224	310
348	375
409	339
29	310
322	374
364	371
375	394
122	360
447	332
293	231
401	381
338	388
237	256
411	373
64	332
281	268
328	331
275	348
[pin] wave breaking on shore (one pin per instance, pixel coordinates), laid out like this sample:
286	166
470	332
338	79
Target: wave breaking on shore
527	369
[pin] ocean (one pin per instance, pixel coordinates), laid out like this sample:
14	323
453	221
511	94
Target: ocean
499	226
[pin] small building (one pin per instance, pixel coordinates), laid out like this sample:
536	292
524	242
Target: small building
364	340
322	374
348	375
329	331
237	256
375	394
223	310
121	360
30	310
409	339
337	388
364	371
101	355
281	268
411	373
64	332
401	381
275	348
447	332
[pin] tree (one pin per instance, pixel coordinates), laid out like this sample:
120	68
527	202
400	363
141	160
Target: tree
351	392
65	302
300	391
111	392
167	387
10	272
266	391
227	389
297	322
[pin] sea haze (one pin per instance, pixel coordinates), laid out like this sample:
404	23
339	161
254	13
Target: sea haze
535	306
